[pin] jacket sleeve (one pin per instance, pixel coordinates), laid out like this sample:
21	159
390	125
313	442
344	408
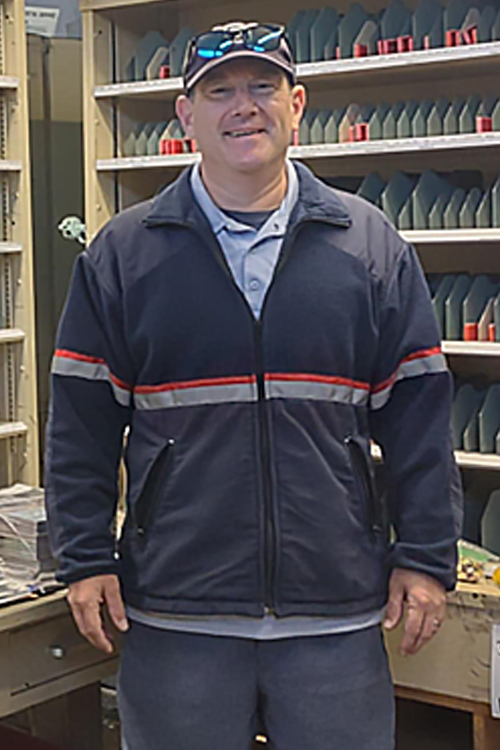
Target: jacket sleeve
410	419
90	406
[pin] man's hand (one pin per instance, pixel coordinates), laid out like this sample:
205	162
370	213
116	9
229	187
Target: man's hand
86	598
424	599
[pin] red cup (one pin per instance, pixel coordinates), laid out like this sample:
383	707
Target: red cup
176	146
427	42
469	35
453	38
405	44
484	124
165	71
361	131
190	144
360	50
165	146
492	332
471	331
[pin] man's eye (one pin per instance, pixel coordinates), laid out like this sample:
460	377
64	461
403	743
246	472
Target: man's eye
220	91
263	87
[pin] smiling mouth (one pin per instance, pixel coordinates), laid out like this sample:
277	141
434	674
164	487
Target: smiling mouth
244	133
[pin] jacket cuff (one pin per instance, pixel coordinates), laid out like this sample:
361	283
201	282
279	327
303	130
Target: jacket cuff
79	573
438	561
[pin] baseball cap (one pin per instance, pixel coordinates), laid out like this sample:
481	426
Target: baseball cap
261	41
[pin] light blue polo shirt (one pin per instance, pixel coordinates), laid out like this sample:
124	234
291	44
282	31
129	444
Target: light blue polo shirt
252	255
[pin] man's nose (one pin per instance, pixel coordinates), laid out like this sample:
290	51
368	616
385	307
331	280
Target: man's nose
244	101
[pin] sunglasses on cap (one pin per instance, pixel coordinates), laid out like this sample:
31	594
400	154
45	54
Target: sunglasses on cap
258	38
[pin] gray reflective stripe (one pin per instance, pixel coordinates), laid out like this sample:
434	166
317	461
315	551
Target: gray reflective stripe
196	395
317	391
423	366
89	371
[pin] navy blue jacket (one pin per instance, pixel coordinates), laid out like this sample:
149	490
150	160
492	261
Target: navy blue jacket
250	480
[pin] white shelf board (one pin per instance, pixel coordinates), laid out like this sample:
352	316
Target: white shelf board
325	151
11	335
451	236
6	248
464	459
477	460
472	348
9	82
12	429
10	165
402	61
456	142
147	89
309	72
146	162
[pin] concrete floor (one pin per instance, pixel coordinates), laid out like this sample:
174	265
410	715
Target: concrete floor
419	727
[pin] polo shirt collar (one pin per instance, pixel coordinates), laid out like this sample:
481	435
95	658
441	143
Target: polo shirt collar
275	225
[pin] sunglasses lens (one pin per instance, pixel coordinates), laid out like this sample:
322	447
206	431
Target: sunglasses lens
264	38
213	44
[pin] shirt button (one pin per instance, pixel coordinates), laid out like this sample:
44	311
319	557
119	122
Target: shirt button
254	284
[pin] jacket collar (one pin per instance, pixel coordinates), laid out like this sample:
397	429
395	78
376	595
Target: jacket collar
176	203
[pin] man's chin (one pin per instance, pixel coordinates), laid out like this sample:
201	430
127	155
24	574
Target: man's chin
252	163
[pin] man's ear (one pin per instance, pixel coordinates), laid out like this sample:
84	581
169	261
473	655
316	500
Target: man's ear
299	99
184	111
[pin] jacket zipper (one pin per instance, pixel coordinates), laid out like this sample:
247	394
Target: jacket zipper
362	470
146	502
265	458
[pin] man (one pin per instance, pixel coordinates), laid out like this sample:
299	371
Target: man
254	328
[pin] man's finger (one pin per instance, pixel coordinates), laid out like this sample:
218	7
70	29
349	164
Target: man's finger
89	622
114	603
430	627
413	627
394	609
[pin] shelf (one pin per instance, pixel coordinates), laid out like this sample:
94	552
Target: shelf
9	82
12	429
377	148
472	59
464	459
451	236
457	142
477	460
153	89
472	348
146	162
10	165
8	248
11	335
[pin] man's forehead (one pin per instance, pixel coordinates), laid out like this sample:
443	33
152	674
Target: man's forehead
245	68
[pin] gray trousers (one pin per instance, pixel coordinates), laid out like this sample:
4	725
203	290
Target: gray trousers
181	691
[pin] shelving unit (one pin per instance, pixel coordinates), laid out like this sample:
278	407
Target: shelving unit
485	145
112	29
472	348
19	460
477	59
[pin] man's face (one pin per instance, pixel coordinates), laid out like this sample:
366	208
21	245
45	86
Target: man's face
242	114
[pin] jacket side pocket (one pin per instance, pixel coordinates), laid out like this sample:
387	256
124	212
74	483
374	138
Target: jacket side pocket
362	472
148	497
